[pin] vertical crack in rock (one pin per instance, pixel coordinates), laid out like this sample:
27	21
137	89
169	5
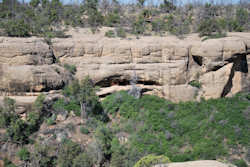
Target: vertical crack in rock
50	44
188	57
240	65
229	84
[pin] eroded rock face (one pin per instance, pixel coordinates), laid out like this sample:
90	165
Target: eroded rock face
25	51
218	64
28	78
203	163
27	65
163	65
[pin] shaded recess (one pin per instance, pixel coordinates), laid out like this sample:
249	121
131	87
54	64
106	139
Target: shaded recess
122	81
198	60
240	65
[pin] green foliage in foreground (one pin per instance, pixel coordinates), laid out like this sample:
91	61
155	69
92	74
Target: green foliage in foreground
184	131
18	130
23	154
151	160
80	97
240	163
8	163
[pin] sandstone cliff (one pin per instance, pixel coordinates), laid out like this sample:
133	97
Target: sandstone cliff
165	66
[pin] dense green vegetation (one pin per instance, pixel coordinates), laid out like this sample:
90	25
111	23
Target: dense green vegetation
50	18
184	131
18	130
140	131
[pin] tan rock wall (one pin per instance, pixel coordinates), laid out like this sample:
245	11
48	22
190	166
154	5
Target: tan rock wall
28	64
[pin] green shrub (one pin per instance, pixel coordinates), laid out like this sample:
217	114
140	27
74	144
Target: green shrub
7	113
112	19
67	153
195	83
82	160
34	120
84	95
121	32
18	132
23	154
51	120
214	36
209	27
240	163
70	68
70	127
167	6
17	28
110	34
242	17
95	17
200	127
8	163
151	160
104	137
84	130
61	105
139	26
39	102
41	155
158	25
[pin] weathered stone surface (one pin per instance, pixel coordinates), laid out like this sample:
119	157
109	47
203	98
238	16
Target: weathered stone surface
24	51
202	163
168	63
28	78
213	83
180	93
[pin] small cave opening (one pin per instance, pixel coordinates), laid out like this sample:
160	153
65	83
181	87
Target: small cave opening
121	81
111	81
241	63
198	60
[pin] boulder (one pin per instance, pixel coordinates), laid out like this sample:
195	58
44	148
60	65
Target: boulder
179	93
214	83
26	78
202	163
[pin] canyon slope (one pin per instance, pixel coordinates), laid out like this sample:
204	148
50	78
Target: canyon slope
176	69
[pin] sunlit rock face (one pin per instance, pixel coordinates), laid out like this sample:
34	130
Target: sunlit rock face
164	66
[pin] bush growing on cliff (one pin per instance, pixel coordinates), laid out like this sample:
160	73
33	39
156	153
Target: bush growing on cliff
110	34
71	68
195	83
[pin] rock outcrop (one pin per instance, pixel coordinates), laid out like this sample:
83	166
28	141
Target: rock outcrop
28	65
203	163
165	66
